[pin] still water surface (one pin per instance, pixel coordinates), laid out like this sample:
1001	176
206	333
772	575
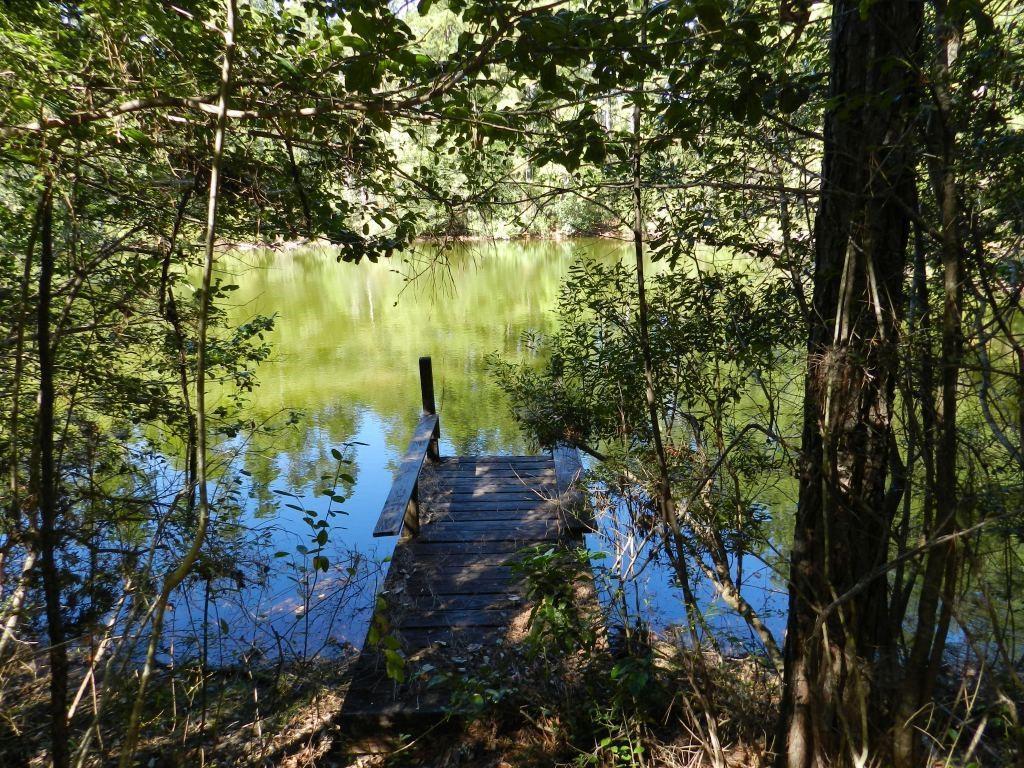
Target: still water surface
346	343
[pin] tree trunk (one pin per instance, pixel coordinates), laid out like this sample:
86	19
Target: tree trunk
942	566
835	664
176	575
16	601
22	527
643	324
46	490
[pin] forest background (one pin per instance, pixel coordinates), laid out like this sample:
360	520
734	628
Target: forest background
860	162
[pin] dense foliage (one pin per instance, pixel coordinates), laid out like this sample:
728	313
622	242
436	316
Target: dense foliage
833	186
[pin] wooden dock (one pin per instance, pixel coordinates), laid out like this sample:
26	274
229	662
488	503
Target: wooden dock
450	596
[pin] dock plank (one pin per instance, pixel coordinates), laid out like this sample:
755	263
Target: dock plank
462	602
496	497
458	618
524	534
421	548
495	515
509	472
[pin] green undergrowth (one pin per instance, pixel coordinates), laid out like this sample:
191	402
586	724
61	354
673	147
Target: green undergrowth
575	692
243	715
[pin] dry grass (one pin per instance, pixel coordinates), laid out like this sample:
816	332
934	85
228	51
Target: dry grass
703	710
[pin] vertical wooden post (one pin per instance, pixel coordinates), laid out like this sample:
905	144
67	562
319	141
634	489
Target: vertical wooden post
427	391
573	507
411	523
427	385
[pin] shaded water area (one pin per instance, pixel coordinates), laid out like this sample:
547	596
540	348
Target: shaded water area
342	381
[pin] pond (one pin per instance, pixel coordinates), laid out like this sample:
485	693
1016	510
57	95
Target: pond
343	380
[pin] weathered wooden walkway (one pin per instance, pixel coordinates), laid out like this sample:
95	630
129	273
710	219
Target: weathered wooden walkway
450	595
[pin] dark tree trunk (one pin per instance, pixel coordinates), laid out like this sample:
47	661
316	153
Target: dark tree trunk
46	490
836	685
942	565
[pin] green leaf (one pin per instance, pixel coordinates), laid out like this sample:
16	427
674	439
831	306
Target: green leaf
982	20
286	65
424	7
709	14
394	664
791	99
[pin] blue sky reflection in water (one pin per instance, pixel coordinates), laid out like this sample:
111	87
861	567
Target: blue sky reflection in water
346	344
